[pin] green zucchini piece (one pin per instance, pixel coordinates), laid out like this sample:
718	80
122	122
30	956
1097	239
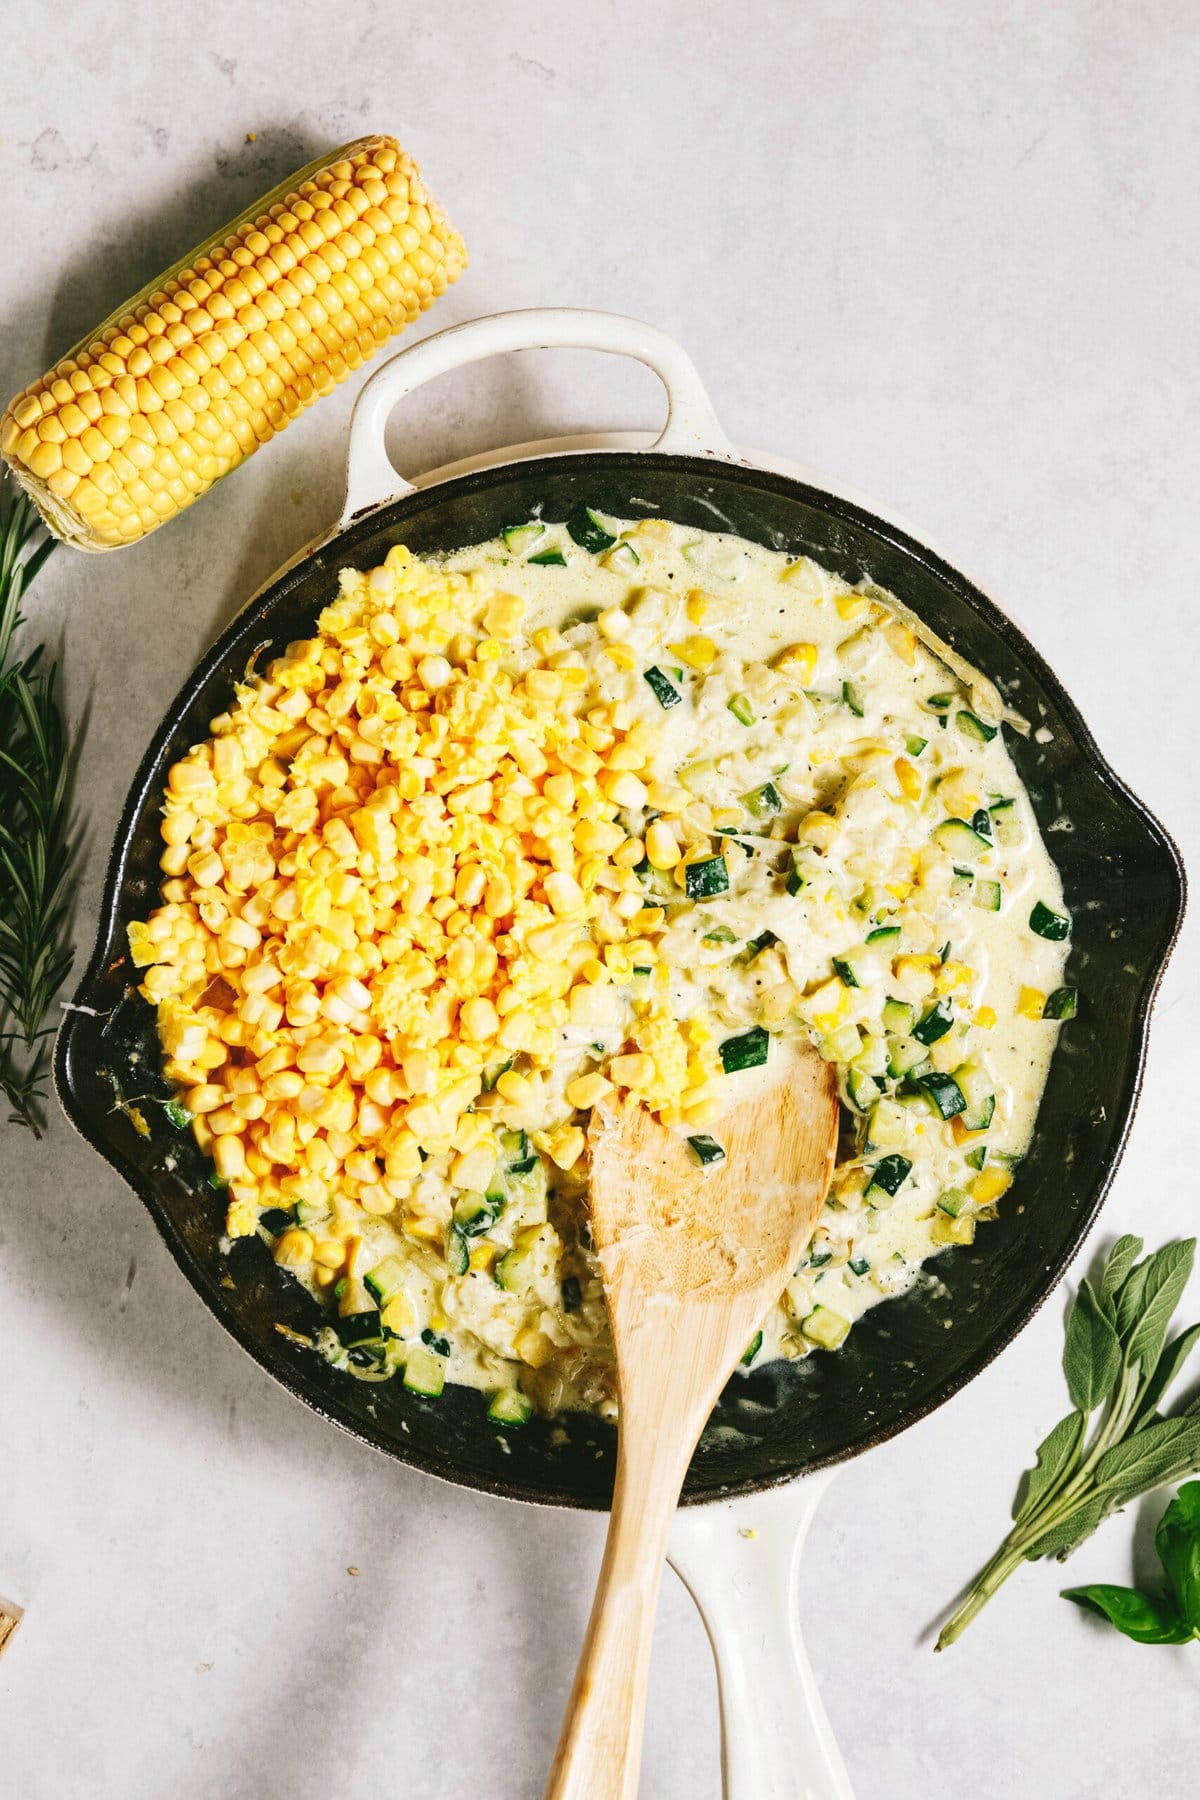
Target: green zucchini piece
549	559
742	708
177	1114
747	1051
987	896
424	1373
720	934
862	1088
860	1265
1006	822
889	1175
510	1407
589	530
624	556
953	1201
1051	925
915	745
752	1349
960	839
308	1212
386	1280
662	687
275	1220
940	702
899	1017
1063	1003
962	881
885	934
476	1213
360	1329
763	802
904	1055
852	697
706	1149
977	1157
458	1257
945	1093
520	539
979	1116
825	1327
934	1025
439	1345
973	726
707	877
857	968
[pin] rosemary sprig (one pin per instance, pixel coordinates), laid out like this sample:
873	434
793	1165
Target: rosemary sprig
35	843
1118	1370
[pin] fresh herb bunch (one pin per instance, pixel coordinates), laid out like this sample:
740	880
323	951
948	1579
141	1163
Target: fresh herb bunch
1118	1370
35	843
1170	1618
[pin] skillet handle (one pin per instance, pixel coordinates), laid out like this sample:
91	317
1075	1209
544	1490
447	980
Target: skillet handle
691	428
739	1561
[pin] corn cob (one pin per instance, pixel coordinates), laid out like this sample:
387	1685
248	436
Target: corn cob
190	376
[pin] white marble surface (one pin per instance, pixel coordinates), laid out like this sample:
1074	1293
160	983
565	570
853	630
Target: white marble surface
946	253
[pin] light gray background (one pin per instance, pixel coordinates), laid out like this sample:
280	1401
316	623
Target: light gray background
946	253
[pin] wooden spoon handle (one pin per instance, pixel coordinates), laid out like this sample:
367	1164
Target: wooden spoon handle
600	1749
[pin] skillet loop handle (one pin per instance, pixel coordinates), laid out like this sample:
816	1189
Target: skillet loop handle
739	1560
691	428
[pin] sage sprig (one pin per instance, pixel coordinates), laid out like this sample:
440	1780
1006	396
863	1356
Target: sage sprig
1174	1616
1116	1443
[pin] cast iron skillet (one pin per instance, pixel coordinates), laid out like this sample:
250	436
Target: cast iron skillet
1122	876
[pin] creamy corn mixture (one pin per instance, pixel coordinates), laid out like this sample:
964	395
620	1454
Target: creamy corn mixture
597	807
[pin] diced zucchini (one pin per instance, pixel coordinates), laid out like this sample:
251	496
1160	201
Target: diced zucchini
904	1055
988	895
1047	924
308	1212
360	1329
860	1265
439	1345
510	1407
424	1372
623	556
889	1175
962	881
1063	1003
752	1349
940	703
720	934
755	947
494	1071
953	1201
888	1126
662	687
979	1114
975	1081
763	802
853	698
915	745
742	708
862	1088
386	1280
1006	822
899	1017
945	1093
842	1045
872	1059
981	823
888	936
520	539
946	1230
977	1157
589	531
858	968
825	1327
746	1051
706	1149
476	1213
275	1219
934	1024
549	559
708	876
177	1114
518	1266
458	1257
960	839
973	726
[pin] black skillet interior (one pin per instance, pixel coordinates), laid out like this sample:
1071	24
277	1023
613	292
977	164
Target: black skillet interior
1123	882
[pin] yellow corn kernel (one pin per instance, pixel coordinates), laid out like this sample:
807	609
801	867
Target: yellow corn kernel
294	1250
329	1252
908	777
901	640
566	1145
482	1257
218	354
1031	1003
819	829
588	1090
985	1017
829	1004
662	846
635	1070
398	1314
699	653
516	1089
989	1184
502	616
850	605
533	1347
952	975
621	655
799	661
699	606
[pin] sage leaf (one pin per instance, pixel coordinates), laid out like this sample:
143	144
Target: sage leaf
1062	1538
1141	1617
1152	1456
1121	1259
1166	1276
1165	1372
1055	1454
1092	1353
1178	1543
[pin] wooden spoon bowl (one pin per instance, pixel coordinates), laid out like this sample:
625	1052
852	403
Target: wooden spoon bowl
692	1259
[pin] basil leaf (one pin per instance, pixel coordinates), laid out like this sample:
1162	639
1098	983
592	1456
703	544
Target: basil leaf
1055	1453
1178	1543
1121	1259
1092	1353
1153	1455
1165	1372
1062	1538
1145	1620
1166	1276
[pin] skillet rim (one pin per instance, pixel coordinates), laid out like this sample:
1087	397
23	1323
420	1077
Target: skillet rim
334	549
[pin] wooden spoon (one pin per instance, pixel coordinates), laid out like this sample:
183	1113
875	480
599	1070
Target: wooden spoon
692	1259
